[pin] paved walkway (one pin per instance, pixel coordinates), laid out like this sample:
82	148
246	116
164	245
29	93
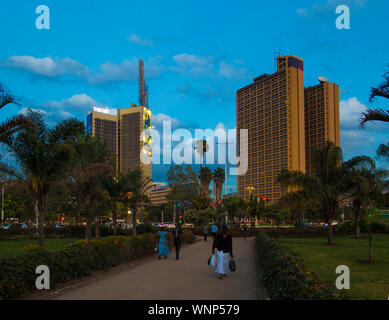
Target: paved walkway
188	278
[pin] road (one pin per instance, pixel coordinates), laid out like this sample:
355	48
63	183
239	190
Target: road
171	279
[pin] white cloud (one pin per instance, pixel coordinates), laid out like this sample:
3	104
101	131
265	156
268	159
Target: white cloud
357	142
350	112
109	72
353	139
191	60
230	71
134	38
79	102
47	66
328	6
160	117
192	65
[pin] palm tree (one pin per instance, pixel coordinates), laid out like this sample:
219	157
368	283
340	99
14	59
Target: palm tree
378	114
138	187
371	183
9	127
91	165
44	155
331	182
205	180
218	180
115	187
202	148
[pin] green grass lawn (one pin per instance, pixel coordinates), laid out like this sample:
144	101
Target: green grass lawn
366	281
14	247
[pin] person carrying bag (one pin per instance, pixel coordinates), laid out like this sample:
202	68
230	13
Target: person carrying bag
223	244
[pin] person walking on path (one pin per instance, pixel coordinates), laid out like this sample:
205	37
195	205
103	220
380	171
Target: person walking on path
205	231
245	230
214	230
223	244
163	248
177	232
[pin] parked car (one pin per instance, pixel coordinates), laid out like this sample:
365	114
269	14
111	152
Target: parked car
167	225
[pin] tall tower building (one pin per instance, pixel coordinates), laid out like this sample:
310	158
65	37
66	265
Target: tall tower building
135	139
272	109
105	126
127	134
321	118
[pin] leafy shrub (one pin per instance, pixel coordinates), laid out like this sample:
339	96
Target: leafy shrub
345	228
379	227
285	276
304	232
31	248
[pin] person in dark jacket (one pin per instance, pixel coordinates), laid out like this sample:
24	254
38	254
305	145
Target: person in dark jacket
205	231
223	245
177	235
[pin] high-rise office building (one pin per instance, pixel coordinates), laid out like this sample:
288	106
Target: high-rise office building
134	146
105	126
272	109
321	118
127	134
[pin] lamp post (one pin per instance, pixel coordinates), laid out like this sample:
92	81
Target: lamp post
225	166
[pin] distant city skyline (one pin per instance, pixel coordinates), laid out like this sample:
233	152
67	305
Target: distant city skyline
196	55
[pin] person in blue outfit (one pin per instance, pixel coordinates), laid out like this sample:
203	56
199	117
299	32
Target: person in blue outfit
214	230
163	248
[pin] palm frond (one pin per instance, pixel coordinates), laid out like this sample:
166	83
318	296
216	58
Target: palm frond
6	170
6	97
9	127
382	90
374	115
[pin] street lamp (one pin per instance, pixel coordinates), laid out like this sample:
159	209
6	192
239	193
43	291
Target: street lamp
250	189
225	166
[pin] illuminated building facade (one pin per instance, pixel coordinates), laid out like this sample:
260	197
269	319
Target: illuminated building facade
105	126
127	135
284	121
272	110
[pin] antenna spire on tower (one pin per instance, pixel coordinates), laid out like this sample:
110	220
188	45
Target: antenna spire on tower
143	88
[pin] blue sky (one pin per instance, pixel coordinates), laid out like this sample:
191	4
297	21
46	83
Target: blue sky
197	54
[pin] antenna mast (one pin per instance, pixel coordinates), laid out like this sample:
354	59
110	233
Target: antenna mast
143	88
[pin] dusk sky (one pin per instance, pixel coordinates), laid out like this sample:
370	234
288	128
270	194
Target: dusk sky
196	53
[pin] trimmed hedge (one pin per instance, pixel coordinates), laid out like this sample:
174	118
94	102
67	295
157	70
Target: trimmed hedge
79	259
69	231
285	277
307	232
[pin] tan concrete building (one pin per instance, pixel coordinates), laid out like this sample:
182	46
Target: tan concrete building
321	118
135	139
272	109
105	126
127	136
158	195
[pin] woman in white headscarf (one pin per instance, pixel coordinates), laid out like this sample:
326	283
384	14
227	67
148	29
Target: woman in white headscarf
223	244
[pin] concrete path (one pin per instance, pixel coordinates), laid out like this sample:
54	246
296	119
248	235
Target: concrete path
188	278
